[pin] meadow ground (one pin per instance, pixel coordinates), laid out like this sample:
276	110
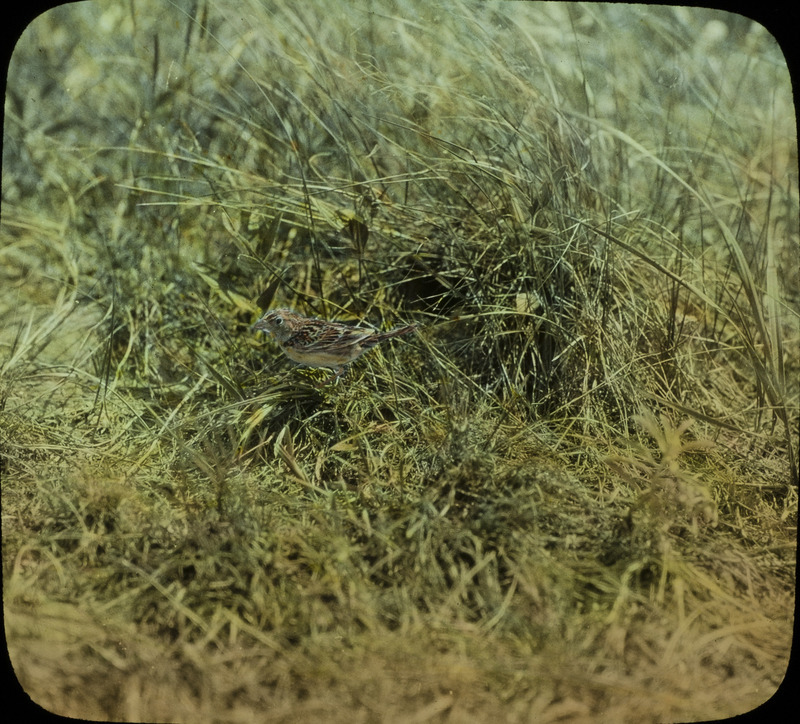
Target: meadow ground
571	496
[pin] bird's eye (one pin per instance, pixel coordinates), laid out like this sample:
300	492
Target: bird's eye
278	321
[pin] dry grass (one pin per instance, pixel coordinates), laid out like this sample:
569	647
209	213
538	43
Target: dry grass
570	497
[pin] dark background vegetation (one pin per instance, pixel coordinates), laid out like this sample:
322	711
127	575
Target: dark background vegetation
571	496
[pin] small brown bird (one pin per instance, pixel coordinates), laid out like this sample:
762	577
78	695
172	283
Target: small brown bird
318	343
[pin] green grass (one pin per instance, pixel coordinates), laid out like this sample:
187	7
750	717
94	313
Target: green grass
570	496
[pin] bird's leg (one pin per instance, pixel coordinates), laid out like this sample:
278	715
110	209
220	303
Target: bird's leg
335	376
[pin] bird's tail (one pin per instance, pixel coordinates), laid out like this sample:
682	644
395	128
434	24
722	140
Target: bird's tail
398	331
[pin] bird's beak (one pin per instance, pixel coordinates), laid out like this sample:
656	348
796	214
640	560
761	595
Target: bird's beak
258	326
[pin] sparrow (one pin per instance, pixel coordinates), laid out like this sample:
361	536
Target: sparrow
315	342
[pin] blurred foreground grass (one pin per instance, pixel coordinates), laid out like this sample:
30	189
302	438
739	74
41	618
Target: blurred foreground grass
571	496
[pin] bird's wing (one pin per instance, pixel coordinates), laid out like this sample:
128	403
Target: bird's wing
333	338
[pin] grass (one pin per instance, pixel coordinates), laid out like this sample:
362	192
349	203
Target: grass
571	496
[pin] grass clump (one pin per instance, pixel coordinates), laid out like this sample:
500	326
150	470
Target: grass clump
570	495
